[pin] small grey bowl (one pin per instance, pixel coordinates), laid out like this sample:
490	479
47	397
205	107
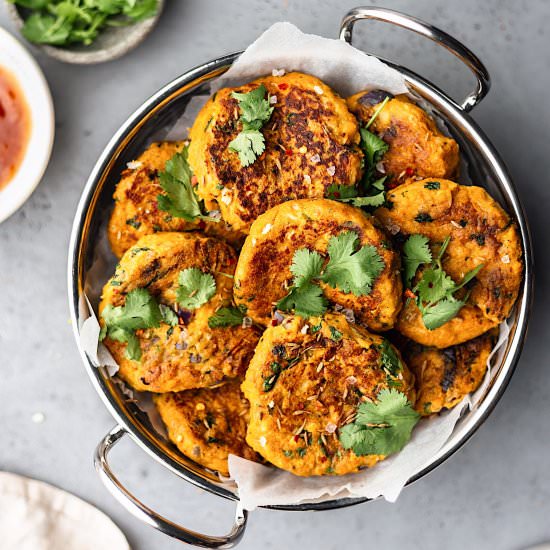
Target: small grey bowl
111	43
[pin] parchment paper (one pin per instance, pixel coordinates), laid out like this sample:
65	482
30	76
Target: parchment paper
283	48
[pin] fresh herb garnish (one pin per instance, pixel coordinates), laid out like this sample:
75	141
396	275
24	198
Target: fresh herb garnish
432	185
64	22
227	317
195	288
255	112
381	428
180	199
390	360
434	292
349	269
169	316
139	311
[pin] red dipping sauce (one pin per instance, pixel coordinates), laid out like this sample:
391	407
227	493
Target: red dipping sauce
15	125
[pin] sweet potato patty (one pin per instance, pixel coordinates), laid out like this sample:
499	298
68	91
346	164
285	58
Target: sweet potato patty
417	149
136	213
304	383
207	425
189	355
311	142
263	272
443	377
480	232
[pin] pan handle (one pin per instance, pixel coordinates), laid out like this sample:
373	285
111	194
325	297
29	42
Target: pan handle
483	81
145	514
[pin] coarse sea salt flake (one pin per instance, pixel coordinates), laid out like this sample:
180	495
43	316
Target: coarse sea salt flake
307	178
318	90
226	196
330	427
505	259
272	99
304	329
331	170
315	158
267	228
134	165
278	72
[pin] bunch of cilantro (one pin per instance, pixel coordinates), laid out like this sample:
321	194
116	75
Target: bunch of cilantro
434	293
64	22
349	269
255	112
370	192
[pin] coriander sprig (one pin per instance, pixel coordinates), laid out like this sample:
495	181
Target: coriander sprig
139	311
195	288
371	191
434	291
255	112
349	268
179	198
381	428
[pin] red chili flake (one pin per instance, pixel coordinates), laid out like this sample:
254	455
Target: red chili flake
323	459
409	171
283	86
336	194
296	438
288	152
392	184
202	224
410	294
300	406
274	322
231	261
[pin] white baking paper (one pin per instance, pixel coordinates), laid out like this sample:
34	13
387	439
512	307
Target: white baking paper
347	70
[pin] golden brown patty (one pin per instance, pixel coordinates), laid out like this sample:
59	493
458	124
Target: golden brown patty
190	355
263	272
417	149
311	143
445	376
136	214
481	233
208	425
326	368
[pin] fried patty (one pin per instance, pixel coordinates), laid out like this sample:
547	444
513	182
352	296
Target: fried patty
136	213
189	355
305	382
417	148
481	233
263	273
443	377
207	425
311	143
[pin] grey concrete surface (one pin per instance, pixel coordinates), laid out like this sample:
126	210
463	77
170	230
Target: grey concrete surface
495	493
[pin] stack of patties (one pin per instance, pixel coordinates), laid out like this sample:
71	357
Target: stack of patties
273	351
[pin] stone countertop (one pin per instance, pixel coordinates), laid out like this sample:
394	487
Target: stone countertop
494	493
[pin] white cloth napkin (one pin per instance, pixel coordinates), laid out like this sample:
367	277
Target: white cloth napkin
38	516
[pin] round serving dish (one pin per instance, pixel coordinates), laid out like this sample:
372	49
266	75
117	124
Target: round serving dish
28	75
111	43
482	165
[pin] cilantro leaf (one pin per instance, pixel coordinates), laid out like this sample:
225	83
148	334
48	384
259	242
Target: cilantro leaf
381	428
168	315
435	284
254	107
195	288
180	199
349	270
436	315
341	193
139	311
226	317
416	251
249	144
255	111
306	300
389	359
306	265
373	146
371	200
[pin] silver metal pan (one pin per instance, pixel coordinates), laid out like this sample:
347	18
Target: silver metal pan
483	166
